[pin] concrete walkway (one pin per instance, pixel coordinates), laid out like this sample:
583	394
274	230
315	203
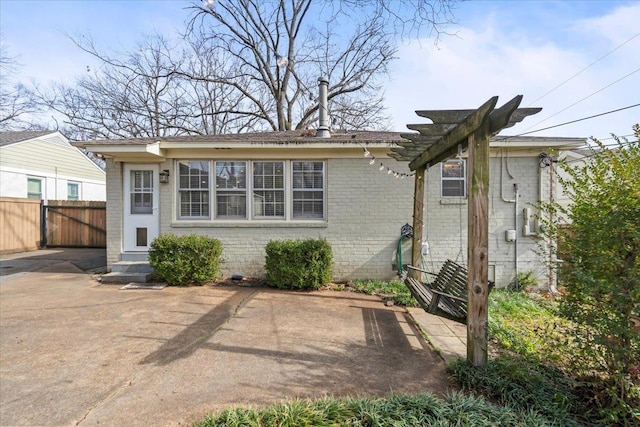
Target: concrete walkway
75	352
448	337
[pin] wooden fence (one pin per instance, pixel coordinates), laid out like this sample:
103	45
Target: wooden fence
20	221
76	224
27	224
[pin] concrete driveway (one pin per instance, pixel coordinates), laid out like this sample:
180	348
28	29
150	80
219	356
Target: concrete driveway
74	352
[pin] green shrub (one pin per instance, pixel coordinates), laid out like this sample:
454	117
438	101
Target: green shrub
181	260
302	264
524	280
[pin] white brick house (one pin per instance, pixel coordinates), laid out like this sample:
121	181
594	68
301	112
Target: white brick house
248	189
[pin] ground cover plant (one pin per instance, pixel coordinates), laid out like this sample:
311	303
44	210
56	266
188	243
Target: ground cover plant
397	410
400	292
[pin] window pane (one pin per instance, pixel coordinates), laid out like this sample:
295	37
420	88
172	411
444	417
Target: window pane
453	182
308	194
73	192
34	188
193	193
453	169
452	189
268	189
231	190
141	192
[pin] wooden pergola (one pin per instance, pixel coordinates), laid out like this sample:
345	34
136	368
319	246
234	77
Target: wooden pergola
439	141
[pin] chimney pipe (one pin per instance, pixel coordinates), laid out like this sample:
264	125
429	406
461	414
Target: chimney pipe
323	128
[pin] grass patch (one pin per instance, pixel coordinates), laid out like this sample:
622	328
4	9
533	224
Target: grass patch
378	287
529	327
397	410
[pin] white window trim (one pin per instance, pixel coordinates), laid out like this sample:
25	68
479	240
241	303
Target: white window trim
177	190
463	179
79	186
286	178
42	186
251	218
213	192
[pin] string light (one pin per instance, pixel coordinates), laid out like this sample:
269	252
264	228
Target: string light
382	167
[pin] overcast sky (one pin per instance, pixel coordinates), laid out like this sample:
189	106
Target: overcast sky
590	49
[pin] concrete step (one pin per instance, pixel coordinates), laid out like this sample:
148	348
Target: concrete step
131	267
120	278
134	256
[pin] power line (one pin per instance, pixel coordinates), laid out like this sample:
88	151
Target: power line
585	68
578	120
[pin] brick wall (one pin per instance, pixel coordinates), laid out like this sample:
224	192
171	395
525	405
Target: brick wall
366	209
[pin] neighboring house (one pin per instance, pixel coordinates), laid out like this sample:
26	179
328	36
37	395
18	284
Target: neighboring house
248	189
44	165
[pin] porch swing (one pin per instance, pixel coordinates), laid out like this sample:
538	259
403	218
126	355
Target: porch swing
444	293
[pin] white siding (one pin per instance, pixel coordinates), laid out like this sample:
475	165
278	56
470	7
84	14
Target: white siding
56	163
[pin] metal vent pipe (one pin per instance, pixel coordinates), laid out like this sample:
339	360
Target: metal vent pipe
323	126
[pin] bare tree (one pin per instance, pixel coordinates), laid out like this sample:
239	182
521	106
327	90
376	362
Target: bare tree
247	65
16	101
280	48
133	96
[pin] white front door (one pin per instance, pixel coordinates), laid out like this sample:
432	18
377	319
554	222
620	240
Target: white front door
141	220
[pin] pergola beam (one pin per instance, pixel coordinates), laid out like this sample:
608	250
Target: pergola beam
448	144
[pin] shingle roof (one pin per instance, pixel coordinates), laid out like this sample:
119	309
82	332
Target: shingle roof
7	138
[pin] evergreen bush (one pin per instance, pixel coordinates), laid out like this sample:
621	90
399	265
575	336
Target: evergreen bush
182	260
299	264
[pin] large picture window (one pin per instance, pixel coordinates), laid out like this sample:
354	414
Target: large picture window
252	190
268	189
193	190
308	190
453	178
231	190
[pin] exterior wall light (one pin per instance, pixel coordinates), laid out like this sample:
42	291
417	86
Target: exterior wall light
164	176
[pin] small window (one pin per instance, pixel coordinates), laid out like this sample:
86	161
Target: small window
231	190
453	178
73	191
141	192
34	188
268	189
193	190
308	190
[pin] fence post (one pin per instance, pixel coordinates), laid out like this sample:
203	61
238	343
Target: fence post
43	224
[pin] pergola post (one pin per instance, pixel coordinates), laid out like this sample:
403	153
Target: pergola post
478	247
418	221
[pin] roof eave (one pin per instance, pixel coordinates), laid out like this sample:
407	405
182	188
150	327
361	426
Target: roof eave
140	153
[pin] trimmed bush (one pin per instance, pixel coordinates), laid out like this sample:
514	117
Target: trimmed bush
182	260
300	264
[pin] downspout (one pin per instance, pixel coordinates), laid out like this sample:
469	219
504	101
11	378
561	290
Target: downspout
515	227
552	285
